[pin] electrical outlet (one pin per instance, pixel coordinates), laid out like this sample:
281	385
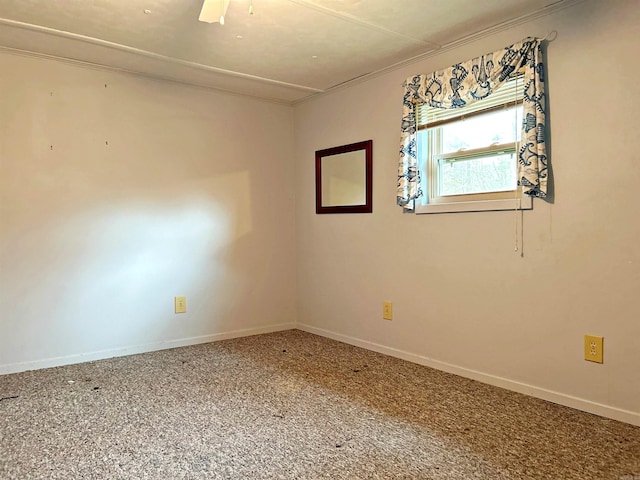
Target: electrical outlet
593	351
180	304
387	310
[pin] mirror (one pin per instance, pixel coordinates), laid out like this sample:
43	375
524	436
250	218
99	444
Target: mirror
343	178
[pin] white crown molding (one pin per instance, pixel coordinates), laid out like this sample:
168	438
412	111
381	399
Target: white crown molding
151	55
135	73
543	12
309	92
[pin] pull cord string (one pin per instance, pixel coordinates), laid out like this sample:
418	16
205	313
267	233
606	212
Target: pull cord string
515	193
521	231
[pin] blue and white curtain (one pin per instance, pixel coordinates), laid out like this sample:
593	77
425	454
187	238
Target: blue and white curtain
465	83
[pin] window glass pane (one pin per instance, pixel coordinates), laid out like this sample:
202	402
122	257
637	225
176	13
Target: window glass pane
490	173
498	127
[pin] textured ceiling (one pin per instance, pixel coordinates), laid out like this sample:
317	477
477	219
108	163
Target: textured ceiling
287	50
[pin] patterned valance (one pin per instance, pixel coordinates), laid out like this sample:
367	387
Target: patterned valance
465	83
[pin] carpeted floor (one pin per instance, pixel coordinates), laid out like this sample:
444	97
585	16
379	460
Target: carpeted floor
292	405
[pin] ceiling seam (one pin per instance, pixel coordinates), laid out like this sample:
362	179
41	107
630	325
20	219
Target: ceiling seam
152	55
363	23
135	73
544	11
313	92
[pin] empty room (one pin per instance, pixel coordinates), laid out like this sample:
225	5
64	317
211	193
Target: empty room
319	239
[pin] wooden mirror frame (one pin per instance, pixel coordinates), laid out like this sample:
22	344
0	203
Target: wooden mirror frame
367	207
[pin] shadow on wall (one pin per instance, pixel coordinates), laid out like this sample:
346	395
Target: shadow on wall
105	275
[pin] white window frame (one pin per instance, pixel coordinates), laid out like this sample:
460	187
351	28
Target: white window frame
479	202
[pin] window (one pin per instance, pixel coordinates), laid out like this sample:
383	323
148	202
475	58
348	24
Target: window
468	156
465	85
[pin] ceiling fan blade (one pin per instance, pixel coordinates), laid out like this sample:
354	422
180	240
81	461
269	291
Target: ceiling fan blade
212	10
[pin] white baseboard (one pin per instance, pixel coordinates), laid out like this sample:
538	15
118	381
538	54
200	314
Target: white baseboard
556	397
134	349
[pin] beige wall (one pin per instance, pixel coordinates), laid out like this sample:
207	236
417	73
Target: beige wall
463	299
114	200
192	195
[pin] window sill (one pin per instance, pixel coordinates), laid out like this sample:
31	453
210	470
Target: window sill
524	203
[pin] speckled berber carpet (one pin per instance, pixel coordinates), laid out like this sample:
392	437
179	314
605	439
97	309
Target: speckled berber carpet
292	405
